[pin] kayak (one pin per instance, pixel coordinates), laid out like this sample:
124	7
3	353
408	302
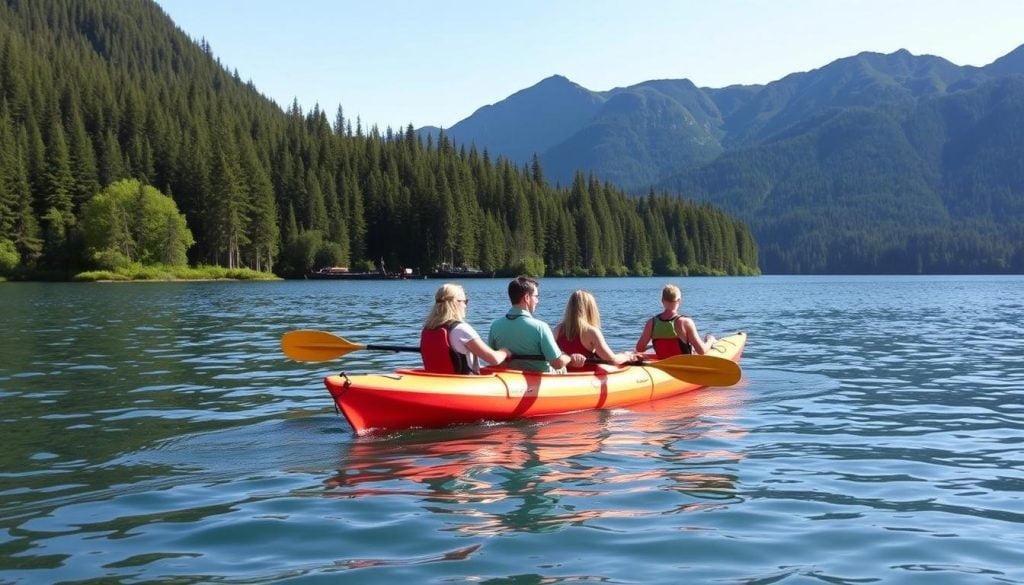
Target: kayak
414	398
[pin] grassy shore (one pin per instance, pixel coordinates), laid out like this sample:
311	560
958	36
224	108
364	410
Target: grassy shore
163	273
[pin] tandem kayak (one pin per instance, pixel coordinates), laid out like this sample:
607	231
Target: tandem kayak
414	398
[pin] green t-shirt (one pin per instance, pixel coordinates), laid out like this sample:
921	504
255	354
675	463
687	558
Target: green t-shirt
524	335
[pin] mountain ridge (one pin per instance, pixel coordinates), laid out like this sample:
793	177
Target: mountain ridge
857	138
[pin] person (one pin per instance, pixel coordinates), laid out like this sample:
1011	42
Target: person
672	333
520	332
450	345
580	331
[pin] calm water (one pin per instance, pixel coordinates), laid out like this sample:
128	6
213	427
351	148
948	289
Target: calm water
155	433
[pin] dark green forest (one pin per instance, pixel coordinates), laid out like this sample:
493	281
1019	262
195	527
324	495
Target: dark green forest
96	91
854	193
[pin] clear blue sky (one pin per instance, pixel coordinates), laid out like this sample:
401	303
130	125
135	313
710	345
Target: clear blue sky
394	62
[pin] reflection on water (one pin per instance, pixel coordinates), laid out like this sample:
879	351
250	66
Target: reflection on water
552	471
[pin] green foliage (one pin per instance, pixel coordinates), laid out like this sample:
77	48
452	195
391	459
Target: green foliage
135	271
529	265
111	260
9	258
299	255
329	254
131	222
110	92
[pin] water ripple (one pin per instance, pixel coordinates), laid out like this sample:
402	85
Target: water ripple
869	441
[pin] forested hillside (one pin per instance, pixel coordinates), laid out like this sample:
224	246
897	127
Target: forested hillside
95	91
870	164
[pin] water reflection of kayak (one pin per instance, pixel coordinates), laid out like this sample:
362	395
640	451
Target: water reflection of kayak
415	398
566	455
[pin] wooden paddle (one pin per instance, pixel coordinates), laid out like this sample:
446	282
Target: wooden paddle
321	346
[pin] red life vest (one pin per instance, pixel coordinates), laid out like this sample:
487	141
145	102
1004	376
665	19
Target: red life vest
666	342
438	354
575	346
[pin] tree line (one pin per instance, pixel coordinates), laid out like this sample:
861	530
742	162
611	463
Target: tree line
93	92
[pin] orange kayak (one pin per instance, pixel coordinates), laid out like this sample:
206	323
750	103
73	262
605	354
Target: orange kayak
411	398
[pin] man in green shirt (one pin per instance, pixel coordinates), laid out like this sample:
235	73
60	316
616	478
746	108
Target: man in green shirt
522	334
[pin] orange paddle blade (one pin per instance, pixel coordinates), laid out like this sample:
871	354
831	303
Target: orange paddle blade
704	370
316	346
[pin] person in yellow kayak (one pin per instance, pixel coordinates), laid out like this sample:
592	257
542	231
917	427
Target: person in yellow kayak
580	332
450	345
520	332
672	333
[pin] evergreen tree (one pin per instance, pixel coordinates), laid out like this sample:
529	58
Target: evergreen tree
92	93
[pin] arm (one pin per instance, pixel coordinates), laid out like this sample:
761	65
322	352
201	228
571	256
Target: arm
645	337
690	334
484	352
594	338
565	359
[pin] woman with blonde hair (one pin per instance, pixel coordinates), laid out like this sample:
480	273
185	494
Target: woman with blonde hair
448	344
580	331
672	333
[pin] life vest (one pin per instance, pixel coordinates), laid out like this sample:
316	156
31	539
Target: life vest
666	342
438	354
574	346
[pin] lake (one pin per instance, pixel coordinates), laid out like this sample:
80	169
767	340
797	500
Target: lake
154	432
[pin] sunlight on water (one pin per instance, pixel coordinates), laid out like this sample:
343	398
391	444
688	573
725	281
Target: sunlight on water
154	431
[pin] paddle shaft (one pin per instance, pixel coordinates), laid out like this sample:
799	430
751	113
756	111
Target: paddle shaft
411	349
392	348
406	348
527	357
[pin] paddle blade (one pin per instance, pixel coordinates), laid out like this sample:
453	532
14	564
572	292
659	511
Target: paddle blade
704	370
315	346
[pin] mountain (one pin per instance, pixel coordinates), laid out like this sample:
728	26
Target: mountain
872	163
531	120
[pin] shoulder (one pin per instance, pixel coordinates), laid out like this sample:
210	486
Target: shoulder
535	322
591	336
541	326
465	329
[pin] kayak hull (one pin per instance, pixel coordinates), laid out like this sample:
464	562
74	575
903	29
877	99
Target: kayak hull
411	398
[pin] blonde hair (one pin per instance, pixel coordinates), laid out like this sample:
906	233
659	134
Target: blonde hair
445	308
581	314
671	292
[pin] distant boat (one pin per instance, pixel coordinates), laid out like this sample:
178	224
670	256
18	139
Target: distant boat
343	273
448	271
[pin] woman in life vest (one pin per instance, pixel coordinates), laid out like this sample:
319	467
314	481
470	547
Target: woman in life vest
580	332
672	333
448	344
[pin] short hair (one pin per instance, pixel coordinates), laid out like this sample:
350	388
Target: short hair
521	286
671	292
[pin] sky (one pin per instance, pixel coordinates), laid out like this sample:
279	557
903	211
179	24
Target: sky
435	62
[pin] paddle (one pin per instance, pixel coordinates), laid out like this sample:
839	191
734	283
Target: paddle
321	346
